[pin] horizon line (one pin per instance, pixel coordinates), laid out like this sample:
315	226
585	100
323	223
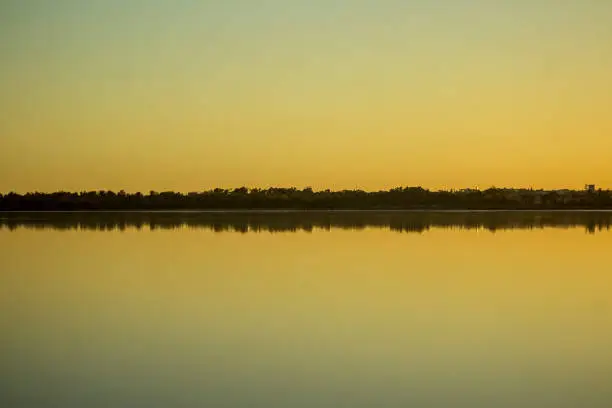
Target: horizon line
306	188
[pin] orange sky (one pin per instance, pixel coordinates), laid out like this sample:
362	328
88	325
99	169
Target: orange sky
331	94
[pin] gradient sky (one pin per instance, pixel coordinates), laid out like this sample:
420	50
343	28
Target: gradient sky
189	95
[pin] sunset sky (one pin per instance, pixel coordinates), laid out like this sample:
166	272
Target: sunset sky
189	95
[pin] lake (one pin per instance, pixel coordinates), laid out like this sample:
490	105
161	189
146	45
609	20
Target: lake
306	309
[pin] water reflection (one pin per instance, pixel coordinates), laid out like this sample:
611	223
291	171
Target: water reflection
188	317
243	222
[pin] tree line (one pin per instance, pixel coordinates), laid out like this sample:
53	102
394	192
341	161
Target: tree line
304	199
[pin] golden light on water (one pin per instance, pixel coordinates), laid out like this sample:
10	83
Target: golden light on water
515	318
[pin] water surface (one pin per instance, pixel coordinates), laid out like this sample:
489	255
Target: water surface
306	310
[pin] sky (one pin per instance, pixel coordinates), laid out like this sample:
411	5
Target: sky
188	95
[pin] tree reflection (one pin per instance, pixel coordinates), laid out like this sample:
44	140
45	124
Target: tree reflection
308	221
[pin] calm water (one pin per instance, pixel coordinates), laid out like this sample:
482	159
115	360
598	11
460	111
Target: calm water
306	310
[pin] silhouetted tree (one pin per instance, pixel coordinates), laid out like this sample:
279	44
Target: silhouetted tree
293	198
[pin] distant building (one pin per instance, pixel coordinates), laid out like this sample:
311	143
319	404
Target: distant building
590	188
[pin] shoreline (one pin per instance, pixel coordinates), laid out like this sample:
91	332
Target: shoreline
295	211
